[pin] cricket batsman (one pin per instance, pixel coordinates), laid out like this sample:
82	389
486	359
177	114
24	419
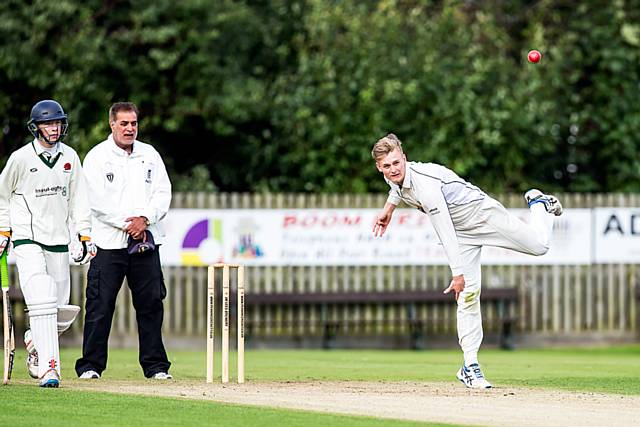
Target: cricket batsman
42	188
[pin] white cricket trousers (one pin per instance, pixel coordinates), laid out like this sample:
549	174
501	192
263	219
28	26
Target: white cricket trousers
493	225
32	260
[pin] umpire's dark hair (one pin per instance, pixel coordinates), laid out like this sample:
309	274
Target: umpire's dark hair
122	106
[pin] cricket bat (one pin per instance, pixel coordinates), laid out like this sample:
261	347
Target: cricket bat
8	337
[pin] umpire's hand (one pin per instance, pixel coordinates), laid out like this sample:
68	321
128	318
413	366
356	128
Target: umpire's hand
136	226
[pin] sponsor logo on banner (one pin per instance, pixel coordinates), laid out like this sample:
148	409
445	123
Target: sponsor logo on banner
245	246
204	241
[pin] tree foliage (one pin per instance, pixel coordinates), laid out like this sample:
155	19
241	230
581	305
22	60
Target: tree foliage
290	95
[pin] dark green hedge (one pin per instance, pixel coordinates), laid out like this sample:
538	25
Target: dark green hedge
290	95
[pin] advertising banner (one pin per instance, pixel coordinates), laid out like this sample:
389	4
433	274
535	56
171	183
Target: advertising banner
341	237
617	235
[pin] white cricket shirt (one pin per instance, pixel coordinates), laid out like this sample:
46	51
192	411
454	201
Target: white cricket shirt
39	198
123	185
448	200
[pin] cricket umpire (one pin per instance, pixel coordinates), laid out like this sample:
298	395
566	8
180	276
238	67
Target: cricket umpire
129	194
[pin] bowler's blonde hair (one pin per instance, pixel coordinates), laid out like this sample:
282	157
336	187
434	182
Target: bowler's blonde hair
386	145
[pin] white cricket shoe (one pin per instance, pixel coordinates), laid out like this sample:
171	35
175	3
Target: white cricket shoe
551	203
472	377
32	354
89	375
162	376
50	379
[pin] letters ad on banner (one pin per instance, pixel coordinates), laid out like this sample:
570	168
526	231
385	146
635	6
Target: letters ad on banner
617	235
340	237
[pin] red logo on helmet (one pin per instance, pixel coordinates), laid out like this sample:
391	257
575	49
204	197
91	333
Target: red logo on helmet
67	166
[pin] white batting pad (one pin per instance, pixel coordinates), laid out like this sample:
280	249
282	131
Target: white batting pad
66	315
43	314
39	286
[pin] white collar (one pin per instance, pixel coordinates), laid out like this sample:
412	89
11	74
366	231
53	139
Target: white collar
122	152
406	183
40	149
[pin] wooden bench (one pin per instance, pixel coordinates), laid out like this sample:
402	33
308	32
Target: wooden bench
501	298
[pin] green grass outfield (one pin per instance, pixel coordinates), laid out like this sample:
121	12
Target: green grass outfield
605	370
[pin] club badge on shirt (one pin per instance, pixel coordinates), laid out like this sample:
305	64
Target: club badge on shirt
110	176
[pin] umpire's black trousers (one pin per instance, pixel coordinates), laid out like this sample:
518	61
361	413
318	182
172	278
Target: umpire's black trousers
144	277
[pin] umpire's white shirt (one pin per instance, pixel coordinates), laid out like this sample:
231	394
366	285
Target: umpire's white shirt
123	185
449	201
38	199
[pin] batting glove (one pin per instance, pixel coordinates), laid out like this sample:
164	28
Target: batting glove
85	251
5	239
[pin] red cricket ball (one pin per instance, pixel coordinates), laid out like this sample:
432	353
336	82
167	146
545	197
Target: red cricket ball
534	56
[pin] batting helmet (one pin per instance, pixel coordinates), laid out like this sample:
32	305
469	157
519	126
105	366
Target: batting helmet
47	111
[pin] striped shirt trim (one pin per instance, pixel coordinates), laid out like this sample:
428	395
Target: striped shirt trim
465	183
